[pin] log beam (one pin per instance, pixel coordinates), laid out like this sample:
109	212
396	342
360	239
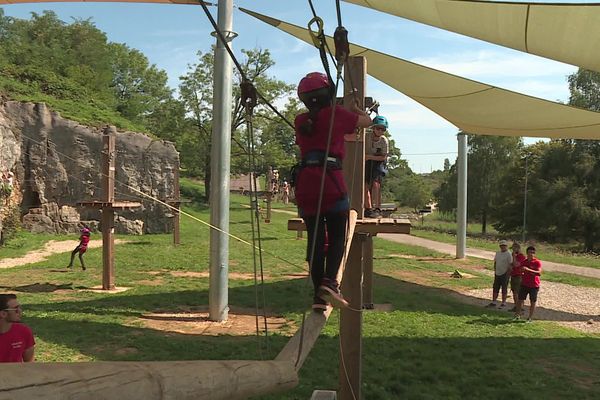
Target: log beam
171	380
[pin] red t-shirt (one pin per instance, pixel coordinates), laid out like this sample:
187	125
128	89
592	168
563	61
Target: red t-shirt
15	342
85	239
309	179
529	278
517	269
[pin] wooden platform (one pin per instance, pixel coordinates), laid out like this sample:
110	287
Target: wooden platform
117	205
366	225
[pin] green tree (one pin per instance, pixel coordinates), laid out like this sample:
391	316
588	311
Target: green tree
139	87
489	158
196	92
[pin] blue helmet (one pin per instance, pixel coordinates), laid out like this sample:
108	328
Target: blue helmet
380	120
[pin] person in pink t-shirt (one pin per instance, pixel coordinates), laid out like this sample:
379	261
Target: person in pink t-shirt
530	283
516	273
16	339
320	134
81	248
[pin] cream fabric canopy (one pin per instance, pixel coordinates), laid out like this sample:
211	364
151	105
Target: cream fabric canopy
472	106
564	32
101	1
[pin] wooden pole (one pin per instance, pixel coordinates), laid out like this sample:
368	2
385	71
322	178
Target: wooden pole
299	346
108	213
350	372
176	197
368	273
350	378
165	380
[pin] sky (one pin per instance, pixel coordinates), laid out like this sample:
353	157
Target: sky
172	35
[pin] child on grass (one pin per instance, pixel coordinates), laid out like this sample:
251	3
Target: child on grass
81	248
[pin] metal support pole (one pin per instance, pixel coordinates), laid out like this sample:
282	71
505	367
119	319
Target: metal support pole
525	201
461	215
108	213
220	165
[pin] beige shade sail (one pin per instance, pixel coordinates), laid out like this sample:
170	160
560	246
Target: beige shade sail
564	32
473	107
102	1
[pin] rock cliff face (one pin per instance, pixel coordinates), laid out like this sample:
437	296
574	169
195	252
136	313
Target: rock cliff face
57	163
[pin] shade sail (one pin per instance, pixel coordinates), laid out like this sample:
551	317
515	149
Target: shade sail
472	106
564	32
101	1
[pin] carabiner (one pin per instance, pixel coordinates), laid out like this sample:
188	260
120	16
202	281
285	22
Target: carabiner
319	37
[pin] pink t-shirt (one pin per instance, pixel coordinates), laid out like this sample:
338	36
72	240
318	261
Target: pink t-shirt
517	269
529	278
309	179
15	342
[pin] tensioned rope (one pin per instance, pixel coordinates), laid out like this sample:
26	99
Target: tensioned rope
172	208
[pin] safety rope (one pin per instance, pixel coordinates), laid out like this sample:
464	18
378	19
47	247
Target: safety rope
249	100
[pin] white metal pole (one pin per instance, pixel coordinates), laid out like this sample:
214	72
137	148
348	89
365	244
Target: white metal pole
220	166
461	215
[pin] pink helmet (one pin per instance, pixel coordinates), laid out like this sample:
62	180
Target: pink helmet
85	231
313	81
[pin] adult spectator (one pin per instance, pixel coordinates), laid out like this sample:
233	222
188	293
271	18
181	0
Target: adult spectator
516	273
502	268
16	339
530	285
376	153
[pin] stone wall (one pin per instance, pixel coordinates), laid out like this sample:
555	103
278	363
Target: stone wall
57	163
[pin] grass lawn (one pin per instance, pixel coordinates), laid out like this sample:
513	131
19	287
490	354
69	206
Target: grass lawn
430	346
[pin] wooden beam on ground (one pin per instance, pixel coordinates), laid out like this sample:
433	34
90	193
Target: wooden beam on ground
299	346
166	380
370	226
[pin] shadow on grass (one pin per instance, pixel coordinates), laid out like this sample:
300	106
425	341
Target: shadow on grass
39	287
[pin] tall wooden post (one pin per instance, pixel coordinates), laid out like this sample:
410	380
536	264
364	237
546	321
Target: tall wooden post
177	204
354	173
368	273
108	213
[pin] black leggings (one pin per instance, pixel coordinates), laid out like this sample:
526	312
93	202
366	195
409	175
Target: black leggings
335	223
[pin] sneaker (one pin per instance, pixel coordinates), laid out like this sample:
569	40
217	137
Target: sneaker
492	304
330	291
502	305
529	320
69	266
517	318
83	268
370	213
319	304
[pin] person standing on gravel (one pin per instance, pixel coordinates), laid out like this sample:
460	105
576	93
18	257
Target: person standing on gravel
502	267
516	273
530	285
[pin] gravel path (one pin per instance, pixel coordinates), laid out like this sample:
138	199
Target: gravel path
572	306
485	254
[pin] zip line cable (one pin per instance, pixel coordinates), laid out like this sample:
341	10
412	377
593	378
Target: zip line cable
237	64
156	200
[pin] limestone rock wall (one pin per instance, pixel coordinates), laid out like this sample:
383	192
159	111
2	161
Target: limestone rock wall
57	163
